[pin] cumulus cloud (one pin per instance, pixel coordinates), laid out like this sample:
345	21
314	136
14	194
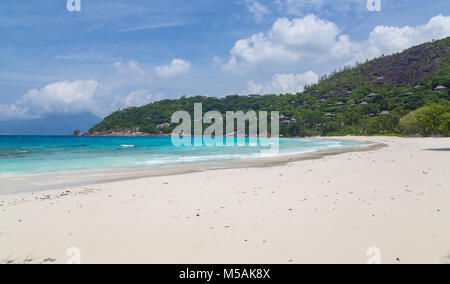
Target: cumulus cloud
61	97
283	84
71	98
100	99
293	40
388	39
313	40
176	67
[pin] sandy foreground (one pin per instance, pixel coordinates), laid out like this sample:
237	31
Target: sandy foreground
328	210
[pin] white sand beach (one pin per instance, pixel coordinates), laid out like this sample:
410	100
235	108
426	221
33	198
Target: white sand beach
326	210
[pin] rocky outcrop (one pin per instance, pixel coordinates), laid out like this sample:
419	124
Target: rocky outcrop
162	126
410	66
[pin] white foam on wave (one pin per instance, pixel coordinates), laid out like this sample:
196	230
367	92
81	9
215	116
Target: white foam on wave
211	157
304	148
128	146
156	163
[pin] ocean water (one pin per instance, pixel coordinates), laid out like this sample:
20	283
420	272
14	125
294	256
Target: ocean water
21	155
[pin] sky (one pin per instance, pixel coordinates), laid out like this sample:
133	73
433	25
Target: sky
115	54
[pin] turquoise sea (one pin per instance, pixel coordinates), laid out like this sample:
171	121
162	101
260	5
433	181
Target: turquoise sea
21	155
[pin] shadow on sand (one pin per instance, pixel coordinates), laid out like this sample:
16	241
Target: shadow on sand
439	149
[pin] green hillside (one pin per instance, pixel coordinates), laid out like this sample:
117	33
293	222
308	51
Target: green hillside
369	99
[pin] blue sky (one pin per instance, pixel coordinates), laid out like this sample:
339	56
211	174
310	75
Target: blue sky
118	53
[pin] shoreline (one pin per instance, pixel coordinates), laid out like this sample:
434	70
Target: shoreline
39	182
327	210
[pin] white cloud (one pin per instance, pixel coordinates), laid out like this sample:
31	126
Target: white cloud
258	10
61	97
387	40
313	40
8	112
283	83
290	41
130	68
176	67
71	98
137	98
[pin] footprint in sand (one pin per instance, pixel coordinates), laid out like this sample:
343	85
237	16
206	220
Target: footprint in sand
49	260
